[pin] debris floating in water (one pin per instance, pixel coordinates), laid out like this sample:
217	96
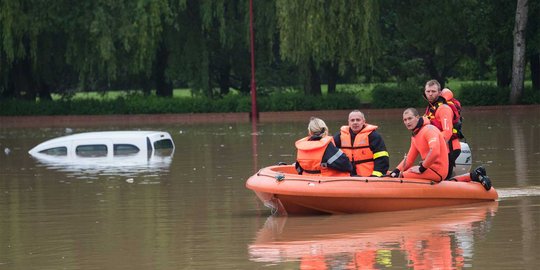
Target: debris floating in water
129	180
7	151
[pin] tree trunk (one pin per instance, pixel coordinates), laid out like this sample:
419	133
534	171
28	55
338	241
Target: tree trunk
224	78
518	63
146	85
332	74
503	72
535	71
23	79
312	84
164	86
245	84
44	92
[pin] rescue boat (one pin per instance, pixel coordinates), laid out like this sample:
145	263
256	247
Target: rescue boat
286	193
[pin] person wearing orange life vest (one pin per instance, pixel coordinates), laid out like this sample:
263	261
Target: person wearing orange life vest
455	105
317	154
428	142
363	145
441	115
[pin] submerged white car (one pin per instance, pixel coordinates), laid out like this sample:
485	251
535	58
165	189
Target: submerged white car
108	148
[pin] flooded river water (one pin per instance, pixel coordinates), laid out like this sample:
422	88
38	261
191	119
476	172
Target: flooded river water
192	211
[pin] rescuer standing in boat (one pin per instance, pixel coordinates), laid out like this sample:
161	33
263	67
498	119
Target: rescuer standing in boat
364	146
446	118
317	153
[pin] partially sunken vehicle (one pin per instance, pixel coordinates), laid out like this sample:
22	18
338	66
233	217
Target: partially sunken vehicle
105	147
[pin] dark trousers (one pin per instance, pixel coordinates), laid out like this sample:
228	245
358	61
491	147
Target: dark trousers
452	156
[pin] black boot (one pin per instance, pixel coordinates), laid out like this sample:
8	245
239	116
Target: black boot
479	175
486	182
480	171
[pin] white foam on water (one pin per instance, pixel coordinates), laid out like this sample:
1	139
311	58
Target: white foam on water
518	192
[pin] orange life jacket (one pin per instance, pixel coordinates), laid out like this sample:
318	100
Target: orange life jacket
455	106
310	154
358	151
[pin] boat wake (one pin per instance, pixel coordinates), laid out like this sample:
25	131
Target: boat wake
505	193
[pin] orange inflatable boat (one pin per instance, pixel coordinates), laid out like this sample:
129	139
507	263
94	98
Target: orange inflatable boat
285	192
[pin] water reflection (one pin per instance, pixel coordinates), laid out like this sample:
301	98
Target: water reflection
519	143
254	143
441	238
154	166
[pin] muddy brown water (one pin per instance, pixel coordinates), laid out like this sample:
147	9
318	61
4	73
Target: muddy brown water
193	211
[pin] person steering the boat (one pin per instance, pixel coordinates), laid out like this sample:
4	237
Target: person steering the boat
317	153
364	146
428	142
446	117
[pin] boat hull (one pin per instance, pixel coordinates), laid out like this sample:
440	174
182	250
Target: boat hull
285	192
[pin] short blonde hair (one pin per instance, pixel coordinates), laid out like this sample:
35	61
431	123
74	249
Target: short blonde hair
317	127
434	82
412	110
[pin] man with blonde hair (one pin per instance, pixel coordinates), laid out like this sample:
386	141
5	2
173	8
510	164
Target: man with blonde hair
317	154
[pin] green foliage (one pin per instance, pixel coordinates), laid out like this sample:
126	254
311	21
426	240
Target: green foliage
401	96
295	101
483	94
337	31
138	104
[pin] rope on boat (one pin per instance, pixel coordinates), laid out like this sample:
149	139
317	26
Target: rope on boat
281	178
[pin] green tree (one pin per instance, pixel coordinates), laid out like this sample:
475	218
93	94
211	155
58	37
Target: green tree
314	34
435	33
89	42
214	50
31	60
492	37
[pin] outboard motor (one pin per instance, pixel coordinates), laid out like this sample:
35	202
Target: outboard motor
464	160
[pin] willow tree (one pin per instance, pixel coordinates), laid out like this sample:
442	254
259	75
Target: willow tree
30	57
332	34
90	42
213	54
108	38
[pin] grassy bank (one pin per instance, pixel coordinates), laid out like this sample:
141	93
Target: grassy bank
351	96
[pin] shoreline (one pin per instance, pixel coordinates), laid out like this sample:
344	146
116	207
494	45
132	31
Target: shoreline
193	118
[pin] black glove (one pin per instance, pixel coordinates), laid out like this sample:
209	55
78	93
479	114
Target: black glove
422	168
394	173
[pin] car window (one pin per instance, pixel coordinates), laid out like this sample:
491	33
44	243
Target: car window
91	150
56	151
163	144
125	149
